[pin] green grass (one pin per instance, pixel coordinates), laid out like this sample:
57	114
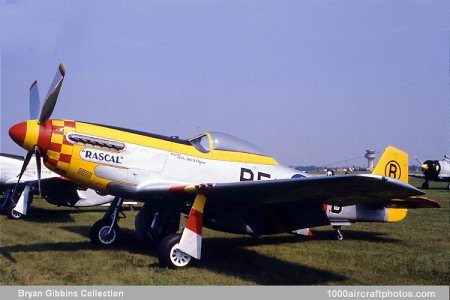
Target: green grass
51	247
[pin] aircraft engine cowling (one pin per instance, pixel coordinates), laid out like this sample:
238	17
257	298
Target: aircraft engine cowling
431	169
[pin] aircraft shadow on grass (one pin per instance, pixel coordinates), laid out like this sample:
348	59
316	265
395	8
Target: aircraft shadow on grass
228	256
42	215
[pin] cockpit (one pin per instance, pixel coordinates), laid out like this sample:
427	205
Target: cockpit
225	142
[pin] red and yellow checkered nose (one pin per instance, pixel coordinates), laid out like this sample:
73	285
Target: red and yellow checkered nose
30	133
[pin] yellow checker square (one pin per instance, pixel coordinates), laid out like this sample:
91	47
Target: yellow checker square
58	123
68	129
62	166
57	138
66	149
53	155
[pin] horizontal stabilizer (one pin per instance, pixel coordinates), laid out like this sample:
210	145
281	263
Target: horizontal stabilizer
414	202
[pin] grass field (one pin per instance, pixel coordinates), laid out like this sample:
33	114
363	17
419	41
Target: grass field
52	247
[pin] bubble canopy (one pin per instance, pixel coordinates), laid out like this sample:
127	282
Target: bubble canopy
225	142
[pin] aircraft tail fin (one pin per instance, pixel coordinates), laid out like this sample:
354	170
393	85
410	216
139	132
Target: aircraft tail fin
393	163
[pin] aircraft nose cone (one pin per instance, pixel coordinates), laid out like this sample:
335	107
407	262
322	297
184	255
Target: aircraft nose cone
18	133
424	166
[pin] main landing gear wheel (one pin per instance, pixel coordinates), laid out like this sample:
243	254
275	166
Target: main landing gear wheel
102	235
425	185
12	214
170	256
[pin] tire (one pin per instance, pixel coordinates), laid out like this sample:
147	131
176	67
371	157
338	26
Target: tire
425	185
99	236
12	214
169	256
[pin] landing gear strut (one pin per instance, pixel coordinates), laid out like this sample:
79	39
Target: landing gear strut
106	231
154	224
10	201
339	235
7	200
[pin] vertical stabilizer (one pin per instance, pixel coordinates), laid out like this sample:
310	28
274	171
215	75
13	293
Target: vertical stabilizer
393	163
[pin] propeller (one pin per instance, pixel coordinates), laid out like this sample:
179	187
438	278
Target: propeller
24	167
52	95
46	112
418	160
37	154
34	100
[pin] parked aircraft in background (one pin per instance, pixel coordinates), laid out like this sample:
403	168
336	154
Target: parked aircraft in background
217	180
434	170
54	188
339	216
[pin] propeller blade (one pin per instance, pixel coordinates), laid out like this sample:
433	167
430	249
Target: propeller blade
52	96
37	154
34	101
418	160
24	167
25	164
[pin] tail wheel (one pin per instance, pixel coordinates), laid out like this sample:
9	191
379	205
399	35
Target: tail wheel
12	214
102	235
170	256
425	185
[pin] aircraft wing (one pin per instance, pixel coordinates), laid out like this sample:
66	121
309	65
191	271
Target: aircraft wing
27	180
334	190
421	176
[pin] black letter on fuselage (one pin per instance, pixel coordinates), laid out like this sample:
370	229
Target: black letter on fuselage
261	175
336	209
249	172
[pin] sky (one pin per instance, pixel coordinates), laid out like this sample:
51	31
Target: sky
311	82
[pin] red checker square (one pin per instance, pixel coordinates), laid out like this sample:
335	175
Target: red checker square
55	147
65	157
52	161
69	124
